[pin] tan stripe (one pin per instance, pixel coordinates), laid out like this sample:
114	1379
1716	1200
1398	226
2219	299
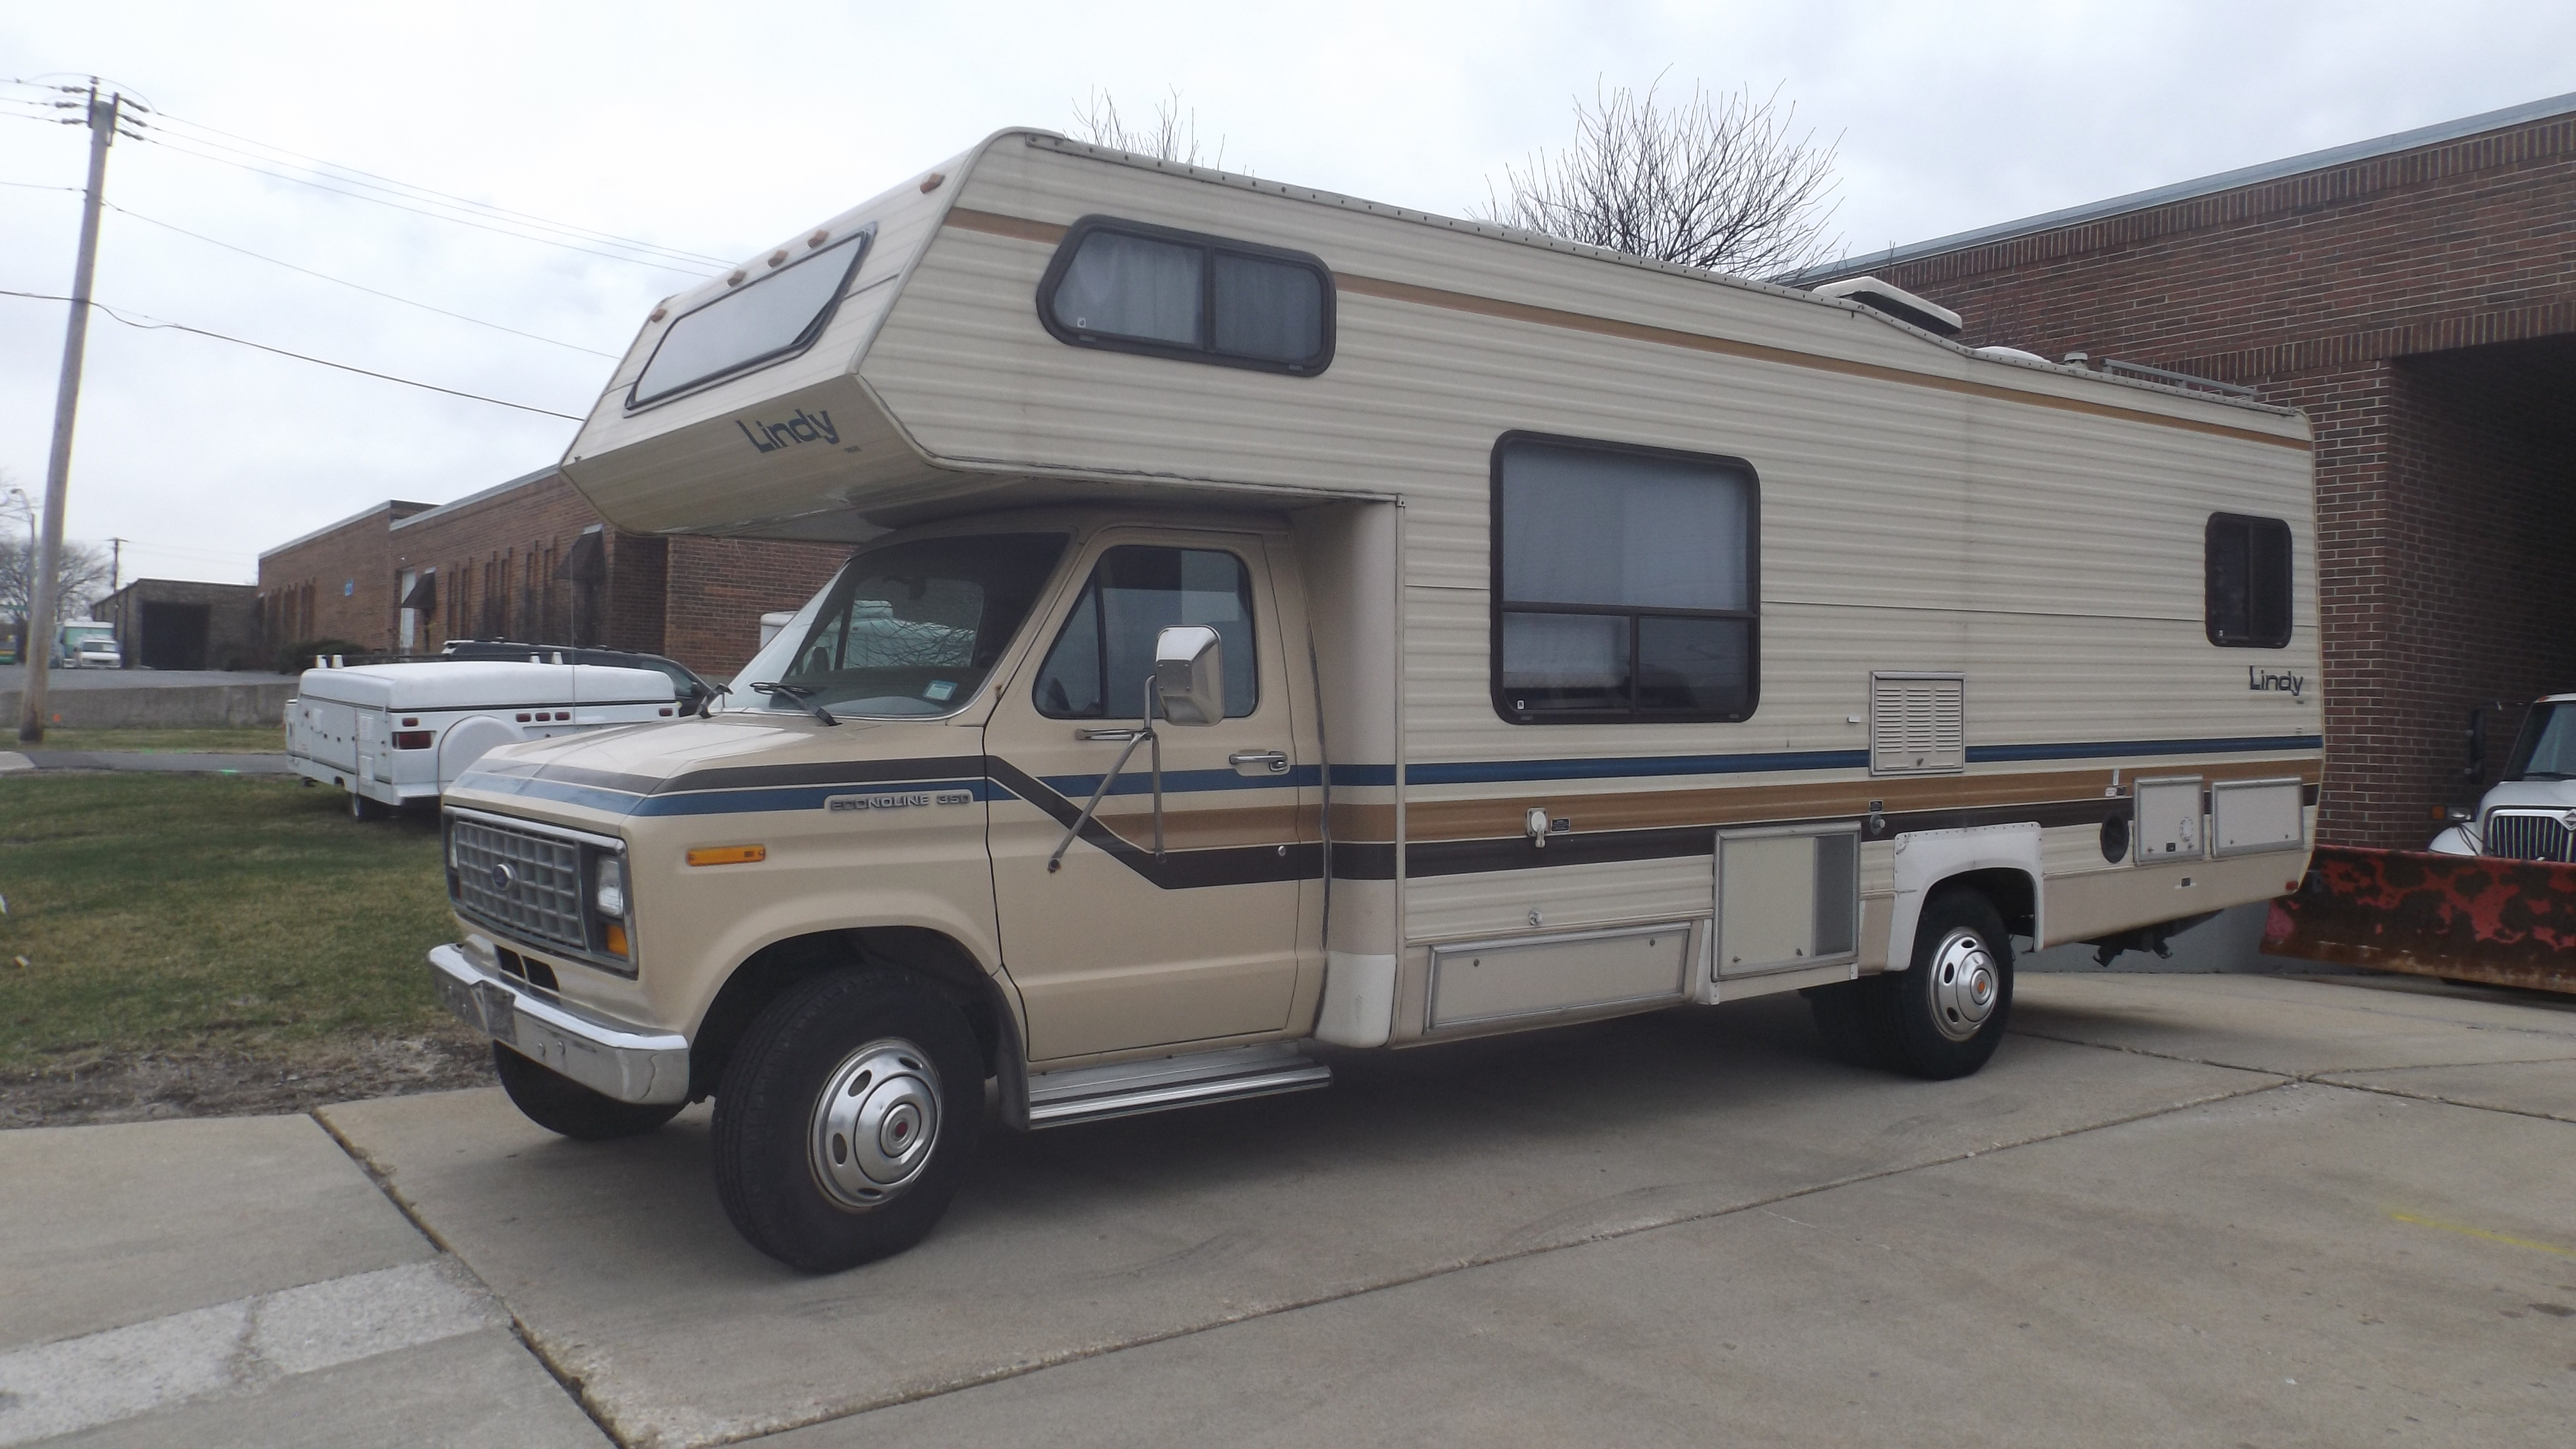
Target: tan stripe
1428	820
1048	233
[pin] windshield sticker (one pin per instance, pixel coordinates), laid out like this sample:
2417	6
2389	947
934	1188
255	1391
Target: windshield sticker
938	690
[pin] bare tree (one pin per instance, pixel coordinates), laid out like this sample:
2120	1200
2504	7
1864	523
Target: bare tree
1718	182
1173	135
80	579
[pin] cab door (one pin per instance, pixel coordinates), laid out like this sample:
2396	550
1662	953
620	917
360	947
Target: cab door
1117	947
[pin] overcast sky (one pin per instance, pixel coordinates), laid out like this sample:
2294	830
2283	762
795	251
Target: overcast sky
718	129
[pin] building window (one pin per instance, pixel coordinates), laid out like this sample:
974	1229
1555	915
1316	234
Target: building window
2248	600
1130	287
766	320
1101	659
1625	584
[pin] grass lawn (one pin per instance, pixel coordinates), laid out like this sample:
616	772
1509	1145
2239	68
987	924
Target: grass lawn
258	740
205	912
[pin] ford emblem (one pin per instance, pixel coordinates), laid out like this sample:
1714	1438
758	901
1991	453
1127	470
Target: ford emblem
502	876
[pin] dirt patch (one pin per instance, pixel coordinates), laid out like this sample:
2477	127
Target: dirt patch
111	1086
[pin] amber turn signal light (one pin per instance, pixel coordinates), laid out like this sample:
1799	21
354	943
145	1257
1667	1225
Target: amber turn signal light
728	854
616	936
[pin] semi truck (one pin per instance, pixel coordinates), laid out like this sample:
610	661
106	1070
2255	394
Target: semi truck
1279	624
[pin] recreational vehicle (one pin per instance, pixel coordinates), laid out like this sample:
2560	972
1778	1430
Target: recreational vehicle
398	734
1279	624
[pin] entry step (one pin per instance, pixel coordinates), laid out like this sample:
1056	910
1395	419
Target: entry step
1123	1089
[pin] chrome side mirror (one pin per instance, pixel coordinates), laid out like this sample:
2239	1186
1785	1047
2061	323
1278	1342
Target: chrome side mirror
1189	674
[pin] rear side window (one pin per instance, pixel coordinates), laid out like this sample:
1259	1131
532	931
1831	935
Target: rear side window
1624	584
1131	287
761	321
1098	667
2249	581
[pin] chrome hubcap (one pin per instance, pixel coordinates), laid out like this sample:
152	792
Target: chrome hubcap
875	1123
1965	985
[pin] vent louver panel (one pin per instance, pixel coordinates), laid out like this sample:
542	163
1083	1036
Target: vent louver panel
1917	724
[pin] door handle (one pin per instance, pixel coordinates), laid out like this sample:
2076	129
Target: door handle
1258	763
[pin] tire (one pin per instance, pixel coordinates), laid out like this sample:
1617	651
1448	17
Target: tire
566	1107
1847	1016
1943	1015
844	1118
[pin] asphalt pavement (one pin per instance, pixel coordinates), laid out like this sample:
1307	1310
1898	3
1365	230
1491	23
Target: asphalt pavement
2174	1210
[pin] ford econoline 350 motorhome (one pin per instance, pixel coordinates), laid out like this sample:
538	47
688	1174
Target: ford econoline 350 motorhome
1277	618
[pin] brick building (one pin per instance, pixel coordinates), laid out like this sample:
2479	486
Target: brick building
529	560
2416	296
182	624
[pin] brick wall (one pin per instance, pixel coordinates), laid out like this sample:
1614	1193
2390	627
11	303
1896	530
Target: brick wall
334	584
498	556
2417	306
720	587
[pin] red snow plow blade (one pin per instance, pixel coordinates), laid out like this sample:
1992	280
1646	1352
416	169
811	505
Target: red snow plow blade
2465	917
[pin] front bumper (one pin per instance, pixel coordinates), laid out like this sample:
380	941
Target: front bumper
609	1057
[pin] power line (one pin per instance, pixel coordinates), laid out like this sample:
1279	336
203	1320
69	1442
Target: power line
40	186
156	325
355	286
430	191
167	144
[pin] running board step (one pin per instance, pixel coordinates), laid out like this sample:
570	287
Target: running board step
1088	1094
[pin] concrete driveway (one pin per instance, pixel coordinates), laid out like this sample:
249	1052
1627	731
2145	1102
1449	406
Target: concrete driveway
2222	1210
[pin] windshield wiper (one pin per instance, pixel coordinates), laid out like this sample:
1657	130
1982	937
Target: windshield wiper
798	695
707	702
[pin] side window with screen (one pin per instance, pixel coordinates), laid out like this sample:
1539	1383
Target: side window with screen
1098	667
2248	570
1130	287
1624	584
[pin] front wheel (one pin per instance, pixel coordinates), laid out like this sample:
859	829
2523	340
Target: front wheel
844	1119
1943	1015
566	1107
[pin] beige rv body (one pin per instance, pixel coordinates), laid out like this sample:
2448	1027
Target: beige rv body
2015	548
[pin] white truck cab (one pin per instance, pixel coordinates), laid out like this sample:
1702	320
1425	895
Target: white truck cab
393	734
1275	621
2531	812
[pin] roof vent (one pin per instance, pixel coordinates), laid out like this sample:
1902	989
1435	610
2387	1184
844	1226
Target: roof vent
1896	302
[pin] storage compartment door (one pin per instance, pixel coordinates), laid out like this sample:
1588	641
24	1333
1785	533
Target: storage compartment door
2247	816
1787	899
2168	819
1497	980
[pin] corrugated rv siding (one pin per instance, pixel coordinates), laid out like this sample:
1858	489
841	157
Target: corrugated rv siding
2052	556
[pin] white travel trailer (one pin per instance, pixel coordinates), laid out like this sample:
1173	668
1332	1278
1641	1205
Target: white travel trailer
1327	623
392	734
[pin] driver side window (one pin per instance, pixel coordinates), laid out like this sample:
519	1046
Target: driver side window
1098	667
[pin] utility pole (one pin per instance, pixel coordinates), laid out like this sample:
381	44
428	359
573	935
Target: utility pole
58	464
115	587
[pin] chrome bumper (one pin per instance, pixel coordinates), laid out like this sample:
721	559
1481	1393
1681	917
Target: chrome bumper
609	1057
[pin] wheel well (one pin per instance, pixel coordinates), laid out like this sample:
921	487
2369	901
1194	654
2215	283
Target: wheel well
2011	891
909	950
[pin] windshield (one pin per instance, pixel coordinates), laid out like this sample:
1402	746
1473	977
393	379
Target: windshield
908	629
2546	749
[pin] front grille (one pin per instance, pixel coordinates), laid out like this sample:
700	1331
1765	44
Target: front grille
540	898
2528	837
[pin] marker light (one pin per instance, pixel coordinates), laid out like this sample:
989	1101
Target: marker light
728	854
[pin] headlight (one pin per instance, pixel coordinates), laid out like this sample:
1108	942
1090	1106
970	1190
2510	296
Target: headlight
610	896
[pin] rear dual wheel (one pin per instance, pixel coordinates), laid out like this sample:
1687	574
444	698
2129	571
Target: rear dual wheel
844	1118
1942	1016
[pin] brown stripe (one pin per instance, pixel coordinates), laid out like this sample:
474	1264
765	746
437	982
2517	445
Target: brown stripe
1048	233
1433	819
993	223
